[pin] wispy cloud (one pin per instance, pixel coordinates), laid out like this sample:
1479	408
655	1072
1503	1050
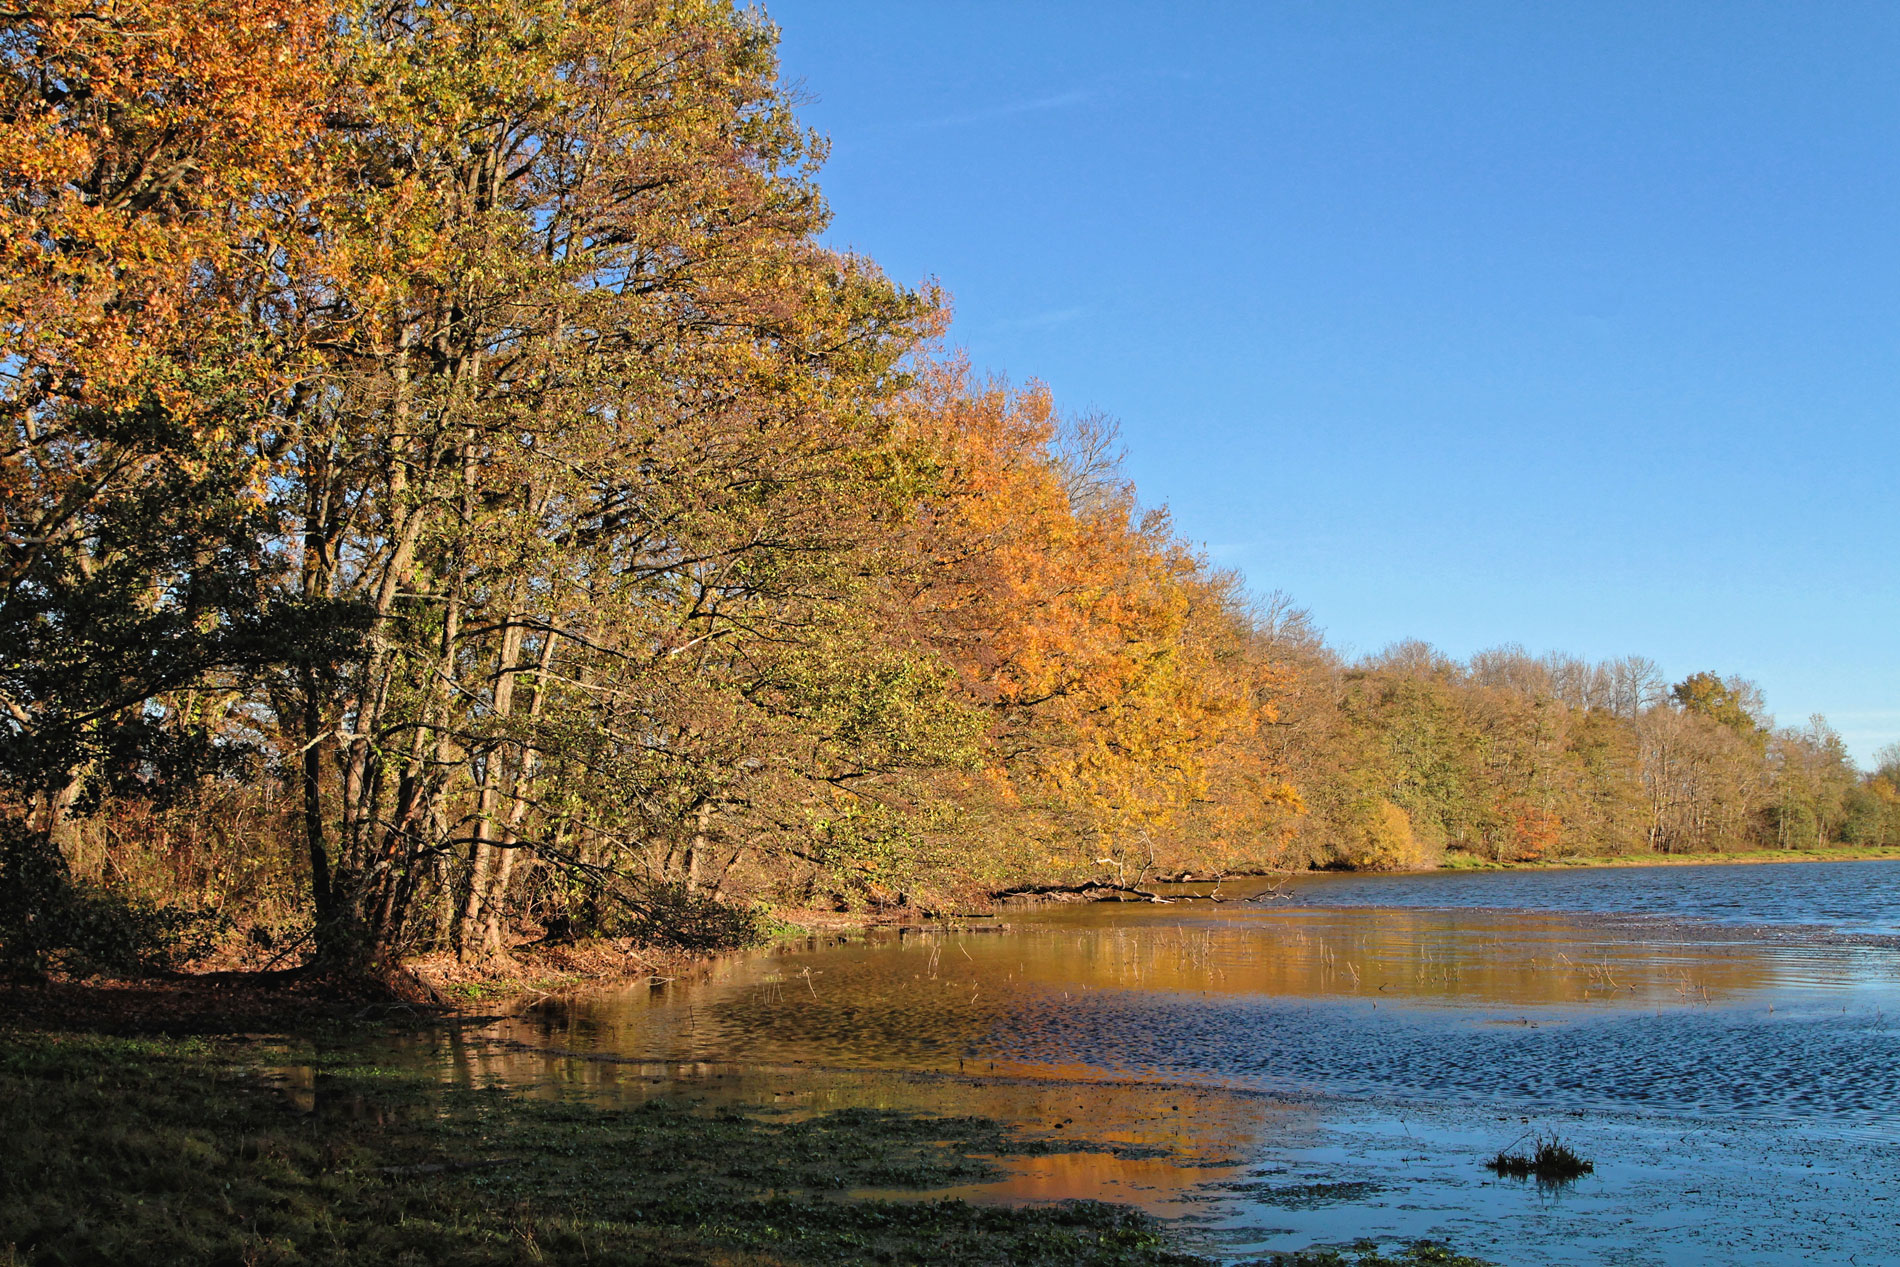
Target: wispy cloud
1036	320
1058	101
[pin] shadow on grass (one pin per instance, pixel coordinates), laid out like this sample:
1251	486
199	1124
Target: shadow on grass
276	1150
225	1151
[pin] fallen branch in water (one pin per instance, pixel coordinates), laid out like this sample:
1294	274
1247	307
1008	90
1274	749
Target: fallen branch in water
443	1167
1097	889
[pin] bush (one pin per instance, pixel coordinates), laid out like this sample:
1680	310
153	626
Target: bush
49	921
668	915
1381	836
659	914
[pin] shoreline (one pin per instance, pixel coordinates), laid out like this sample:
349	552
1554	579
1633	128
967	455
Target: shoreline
1848	853
233	998
209	1065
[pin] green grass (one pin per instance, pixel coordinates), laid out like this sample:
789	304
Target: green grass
1458	861
187	1152
306	1151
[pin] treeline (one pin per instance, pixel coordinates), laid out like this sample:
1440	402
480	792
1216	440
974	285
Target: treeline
1407	754
451	497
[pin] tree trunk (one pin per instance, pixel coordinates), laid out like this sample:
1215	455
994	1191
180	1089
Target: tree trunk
480	911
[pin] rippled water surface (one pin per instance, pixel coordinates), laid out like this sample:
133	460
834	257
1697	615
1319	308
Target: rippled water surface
1335	1061
1849	897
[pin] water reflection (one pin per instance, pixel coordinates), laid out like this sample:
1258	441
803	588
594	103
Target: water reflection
1292	1074
1153	1144
974	1003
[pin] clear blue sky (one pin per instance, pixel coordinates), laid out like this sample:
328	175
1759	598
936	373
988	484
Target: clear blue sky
1574	325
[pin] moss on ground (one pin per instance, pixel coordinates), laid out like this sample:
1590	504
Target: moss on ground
194	1151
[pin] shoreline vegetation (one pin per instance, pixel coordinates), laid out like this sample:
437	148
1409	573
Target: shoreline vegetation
440	982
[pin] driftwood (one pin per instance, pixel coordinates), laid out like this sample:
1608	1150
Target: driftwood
1108	890
1094	890
443	1167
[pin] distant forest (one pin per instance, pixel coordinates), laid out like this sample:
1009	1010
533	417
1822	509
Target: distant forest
452	498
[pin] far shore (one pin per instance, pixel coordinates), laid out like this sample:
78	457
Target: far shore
1843	853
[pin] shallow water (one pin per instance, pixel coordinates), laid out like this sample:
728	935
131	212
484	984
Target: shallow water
1336	1063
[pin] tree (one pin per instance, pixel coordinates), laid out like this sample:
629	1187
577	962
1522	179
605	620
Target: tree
598	424
1124	682
1733	703
144	150
1813	782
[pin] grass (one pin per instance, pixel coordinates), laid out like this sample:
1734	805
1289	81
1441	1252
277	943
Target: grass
1550	1162
274	1150
189	1152
1832	853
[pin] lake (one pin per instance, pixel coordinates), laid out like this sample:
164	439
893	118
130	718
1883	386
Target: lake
1334	1061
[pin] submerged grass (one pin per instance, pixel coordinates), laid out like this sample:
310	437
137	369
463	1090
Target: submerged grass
224	1151
1368	1254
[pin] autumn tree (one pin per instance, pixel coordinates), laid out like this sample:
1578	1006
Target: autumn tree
446	419
1732	702
1813	784
1125	689
597	424
145	152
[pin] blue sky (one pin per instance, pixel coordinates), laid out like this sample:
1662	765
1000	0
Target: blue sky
1576	326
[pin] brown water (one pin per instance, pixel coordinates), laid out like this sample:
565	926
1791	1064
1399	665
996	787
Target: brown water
1311	1070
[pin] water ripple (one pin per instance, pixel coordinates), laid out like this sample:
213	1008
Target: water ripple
1722	1062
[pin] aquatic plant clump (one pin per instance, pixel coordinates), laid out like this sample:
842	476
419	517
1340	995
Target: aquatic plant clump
1550	1161
1369	1254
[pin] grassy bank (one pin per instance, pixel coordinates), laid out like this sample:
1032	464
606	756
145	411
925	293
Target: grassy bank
1839	853
223	1151
276	1151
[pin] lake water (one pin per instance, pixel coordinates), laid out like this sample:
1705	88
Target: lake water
1334	1061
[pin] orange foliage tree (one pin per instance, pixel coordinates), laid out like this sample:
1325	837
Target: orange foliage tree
1124	688
150	152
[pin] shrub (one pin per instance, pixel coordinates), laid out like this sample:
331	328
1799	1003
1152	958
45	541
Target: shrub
668	915
49	921
659	914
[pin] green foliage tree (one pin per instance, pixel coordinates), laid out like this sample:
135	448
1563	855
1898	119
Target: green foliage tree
1732	703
